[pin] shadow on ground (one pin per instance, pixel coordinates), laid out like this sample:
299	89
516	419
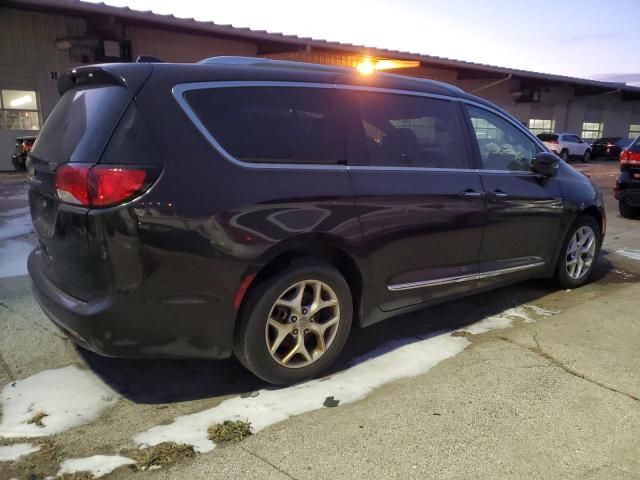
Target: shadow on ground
168	381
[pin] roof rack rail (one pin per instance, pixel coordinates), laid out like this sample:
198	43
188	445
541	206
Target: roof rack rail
268	62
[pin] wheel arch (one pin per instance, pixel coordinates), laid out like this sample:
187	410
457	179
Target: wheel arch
593	211
323	249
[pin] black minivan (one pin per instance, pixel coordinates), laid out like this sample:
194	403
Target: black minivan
260	208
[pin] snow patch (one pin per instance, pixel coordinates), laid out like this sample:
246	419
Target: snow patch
97	465
13	257
14	452
506	319
392	361
629	253
15	211
15	227
67	396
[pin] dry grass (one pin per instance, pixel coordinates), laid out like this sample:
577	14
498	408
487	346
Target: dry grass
36	465
75	476
230	431
160	455
37	419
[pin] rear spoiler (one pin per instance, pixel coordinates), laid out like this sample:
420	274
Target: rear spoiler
128	75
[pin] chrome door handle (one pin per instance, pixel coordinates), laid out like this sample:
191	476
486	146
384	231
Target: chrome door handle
500	194
472	193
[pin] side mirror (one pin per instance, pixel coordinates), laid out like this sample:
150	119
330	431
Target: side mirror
545	163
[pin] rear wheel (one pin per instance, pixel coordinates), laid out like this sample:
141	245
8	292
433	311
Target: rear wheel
564	155
294	325
579	253
627	211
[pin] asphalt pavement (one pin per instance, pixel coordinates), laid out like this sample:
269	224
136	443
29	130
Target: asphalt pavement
523	382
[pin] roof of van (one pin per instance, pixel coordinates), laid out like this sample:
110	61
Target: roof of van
255	69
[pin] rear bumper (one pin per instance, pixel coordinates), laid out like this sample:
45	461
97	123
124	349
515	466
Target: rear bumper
627	190
126	326
603	153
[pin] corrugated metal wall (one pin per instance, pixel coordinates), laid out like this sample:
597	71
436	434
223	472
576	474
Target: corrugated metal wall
27	56
344	60
184	47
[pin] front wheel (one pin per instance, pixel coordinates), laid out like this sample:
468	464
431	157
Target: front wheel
295	324
627	211
579	253
587	156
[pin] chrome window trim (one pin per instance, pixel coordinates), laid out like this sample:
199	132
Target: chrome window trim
462	278
178	91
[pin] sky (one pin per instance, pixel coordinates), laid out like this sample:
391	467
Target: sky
595	39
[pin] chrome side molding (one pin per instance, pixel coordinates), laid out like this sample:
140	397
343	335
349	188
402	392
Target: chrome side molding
462	278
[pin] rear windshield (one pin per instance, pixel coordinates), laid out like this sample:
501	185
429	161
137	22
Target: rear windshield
80	124
547	137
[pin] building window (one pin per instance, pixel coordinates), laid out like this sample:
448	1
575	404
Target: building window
592	130
484	129
538	125
19	110
634	130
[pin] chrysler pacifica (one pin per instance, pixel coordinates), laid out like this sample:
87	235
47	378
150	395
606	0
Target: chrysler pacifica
263	208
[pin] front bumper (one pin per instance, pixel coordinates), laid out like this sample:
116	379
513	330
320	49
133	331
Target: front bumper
129	327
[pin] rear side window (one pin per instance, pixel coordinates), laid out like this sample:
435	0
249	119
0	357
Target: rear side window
272	124
410	131
80	124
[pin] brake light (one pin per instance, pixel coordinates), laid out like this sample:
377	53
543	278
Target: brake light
627	157
99	186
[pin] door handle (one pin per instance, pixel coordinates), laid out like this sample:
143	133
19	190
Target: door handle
499	194
469	193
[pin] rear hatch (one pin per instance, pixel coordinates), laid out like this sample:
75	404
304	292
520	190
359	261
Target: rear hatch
630	160
550	140
76	133
604	145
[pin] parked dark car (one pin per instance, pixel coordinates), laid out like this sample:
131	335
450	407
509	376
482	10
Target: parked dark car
609	147
23	147
261	208
627	189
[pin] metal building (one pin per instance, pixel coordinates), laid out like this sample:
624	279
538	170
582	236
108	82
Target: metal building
39	39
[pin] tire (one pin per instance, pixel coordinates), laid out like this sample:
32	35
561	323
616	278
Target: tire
564	155
587	156
627	211
581	271
255	336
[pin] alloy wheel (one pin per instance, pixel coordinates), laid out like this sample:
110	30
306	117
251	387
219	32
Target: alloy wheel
580	252
302	323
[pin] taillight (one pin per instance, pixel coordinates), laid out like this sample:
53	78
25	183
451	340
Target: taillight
628	157
100	186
